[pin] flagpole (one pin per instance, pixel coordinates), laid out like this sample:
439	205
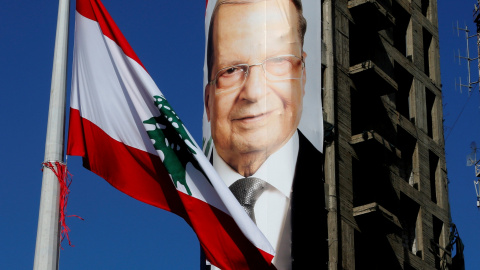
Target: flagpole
48	234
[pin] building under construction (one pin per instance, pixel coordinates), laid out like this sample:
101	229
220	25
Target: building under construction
385	150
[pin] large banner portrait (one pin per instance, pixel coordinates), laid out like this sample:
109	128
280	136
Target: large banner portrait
263	124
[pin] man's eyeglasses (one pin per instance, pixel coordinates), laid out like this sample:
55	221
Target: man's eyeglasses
278	68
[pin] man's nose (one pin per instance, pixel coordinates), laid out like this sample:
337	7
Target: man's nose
255	84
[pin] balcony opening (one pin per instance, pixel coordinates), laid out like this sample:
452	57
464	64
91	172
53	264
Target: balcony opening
431	109
426	8
402	29
405	89
408	147
433	162
437	244
362	43
410	222
372	244
427	53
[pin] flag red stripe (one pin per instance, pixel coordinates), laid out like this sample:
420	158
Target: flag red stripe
142	176
130	170
75	144
94	10
216	229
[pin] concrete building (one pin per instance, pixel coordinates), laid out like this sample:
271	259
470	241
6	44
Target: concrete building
385	159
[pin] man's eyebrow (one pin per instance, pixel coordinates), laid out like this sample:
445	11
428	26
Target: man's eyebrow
235	62
225	64
239	1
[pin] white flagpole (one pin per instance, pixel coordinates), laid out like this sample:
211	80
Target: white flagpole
48	236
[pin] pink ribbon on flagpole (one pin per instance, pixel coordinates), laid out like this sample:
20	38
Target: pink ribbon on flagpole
65	180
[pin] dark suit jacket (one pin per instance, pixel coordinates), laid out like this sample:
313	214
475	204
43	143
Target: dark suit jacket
309	214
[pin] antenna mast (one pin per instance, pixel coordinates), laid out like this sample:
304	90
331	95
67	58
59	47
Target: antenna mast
477	182
472	161
476	20
469	60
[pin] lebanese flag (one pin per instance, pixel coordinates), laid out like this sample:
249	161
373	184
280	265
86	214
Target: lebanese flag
127	133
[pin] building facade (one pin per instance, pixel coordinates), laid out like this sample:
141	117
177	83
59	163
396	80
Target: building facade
385	163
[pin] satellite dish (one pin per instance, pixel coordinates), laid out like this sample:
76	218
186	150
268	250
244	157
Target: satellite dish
472	157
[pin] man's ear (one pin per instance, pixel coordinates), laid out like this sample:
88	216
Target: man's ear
207	100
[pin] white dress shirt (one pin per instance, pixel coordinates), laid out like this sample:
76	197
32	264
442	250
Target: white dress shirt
272	209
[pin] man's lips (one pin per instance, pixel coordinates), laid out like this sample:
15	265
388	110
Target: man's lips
251	117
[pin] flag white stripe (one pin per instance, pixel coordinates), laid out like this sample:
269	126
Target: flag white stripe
106	62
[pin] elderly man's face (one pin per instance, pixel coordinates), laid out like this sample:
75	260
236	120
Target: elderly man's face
263	113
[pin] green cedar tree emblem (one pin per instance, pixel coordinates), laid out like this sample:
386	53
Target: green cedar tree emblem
173	141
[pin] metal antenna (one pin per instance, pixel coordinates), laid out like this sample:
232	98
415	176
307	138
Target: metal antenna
470	84
472	157
472	161
477	190
476	19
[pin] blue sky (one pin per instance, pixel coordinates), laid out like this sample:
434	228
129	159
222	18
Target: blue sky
168	36
461	112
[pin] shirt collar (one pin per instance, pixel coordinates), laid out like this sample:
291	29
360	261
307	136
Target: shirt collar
278	170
